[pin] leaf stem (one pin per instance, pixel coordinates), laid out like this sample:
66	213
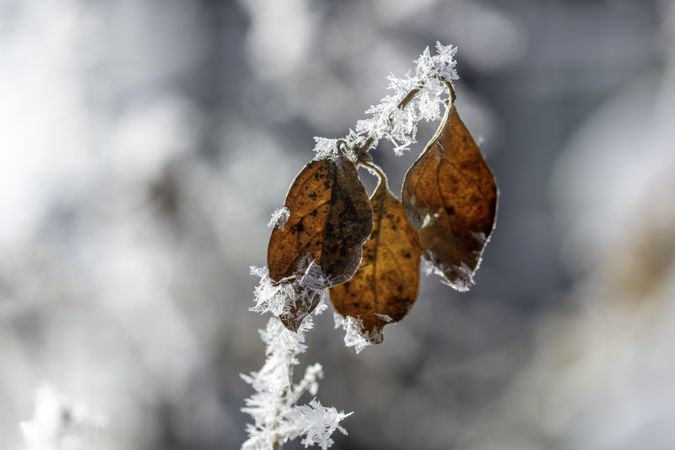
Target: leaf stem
382	177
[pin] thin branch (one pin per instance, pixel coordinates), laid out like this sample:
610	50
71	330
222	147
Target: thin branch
362	150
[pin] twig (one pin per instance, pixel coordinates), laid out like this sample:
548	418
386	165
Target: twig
362	150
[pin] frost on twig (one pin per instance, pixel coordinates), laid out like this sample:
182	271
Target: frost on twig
413	98
316	423
270	297
276	416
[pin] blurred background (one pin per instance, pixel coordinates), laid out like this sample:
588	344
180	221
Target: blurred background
145	143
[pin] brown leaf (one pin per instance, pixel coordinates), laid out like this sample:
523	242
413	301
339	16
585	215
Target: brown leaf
384	288
450	196
330	219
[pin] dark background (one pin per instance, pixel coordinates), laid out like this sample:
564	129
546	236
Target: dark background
145	143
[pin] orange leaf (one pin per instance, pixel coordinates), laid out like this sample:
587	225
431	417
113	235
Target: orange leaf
384	288
330	219
450	196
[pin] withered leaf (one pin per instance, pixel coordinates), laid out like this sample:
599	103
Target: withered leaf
330	219
450	196
384	288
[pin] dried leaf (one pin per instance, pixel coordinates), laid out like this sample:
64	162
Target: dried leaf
450	197
385	287
330	219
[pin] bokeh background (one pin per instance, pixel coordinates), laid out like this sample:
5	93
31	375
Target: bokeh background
144	144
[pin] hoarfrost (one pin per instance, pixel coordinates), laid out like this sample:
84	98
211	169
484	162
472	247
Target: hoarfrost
325	148
273	405
399	125
354	336
276	417
316	423
279	218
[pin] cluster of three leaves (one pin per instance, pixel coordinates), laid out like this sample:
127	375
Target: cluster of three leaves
370	249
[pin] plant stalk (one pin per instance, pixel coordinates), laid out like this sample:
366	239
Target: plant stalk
362	150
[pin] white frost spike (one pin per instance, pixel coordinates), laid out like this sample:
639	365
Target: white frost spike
316	423
325	148
311	276
270	296
273	406
310	382
387	121
321	307
354	336
279	218
428	268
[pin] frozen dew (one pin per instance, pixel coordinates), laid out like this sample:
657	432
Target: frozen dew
353	328
279	218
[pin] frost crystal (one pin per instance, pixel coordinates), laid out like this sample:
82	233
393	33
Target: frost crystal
354	336
465	272
325	148
273	406
305	286
316	423
270	297
279	217
399	125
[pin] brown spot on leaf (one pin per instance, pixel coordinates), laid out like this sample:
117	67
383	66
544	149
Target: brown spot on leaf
330	219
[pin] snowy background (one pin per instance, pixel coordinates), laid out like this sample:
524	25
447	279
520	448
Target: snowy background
144	144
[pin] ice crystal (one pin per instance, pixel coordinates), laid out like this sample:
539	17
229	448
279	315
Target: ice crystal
273	405
279	217
435	268
315	422
270	296
387	121
325	148
354	335
305	285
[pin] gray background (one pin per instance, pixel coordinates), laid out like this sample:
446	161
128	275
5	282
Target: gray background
145	143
